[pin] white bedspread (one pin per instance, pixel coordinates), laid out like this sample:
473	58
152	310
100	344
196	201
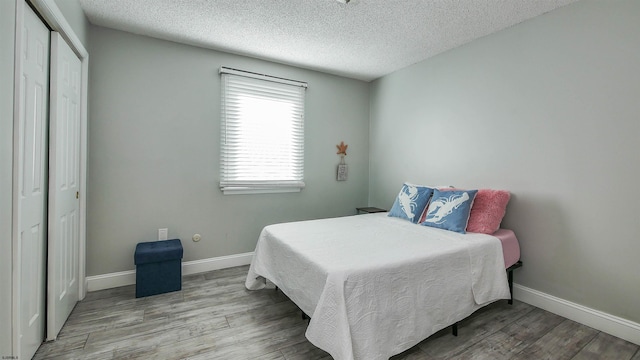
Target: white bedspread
375	286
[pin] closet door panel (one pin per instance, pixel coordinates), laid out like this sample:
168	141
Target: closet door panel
64	179
31	197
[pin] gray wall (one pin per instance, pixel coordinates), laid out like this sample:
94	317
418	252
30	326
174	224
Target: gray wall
7	36
154	151
547	109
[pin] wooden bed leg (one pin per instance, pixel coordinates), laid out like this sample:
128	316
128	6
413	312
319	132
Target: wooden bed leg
454	329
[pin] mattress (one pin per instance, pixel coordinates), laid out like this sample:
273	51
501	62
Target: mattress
510	246
375	286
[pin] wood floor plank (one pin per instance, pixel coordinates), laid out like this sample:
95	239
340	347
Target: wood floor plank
497	346
563	342
215	317
607	347
515	337
261	314
61	346
481	324
78	354
100	321
304	350
165	349
242	354
154	333
218	304
239	343
415	353
533	325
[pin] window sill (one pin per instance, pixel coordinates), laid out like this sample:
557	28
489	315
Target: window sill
250	190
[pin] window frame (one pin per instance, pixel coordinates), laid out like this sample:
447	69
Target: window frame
228	155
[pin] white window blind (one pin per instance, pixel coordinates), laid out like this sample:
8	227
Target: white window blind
262	133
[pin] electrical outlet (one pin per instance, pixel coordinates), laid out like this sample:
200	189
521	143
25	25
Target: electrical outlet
163	234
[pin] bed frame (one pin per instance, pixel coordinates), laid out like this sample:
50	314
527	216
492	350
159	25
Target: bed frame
454	327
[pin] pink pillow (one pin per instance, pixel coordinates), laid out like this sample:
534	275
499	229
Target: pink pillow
488	210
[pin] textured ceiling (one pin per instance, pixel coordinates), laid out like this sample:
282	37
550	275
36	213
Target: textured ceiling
364	39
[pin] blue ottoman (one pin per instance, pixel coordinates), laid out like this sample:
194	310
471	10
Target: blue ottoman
158	267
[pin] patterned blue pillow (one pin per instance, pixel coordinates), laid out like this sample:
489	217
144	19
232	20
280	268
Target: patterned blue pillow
449	210
411	201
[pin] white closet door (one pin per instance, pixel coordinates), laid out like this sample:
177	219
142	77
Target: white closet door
64	191
31	196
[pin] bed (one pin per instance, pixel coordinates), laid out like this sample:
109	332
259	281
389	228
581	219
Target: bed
375	286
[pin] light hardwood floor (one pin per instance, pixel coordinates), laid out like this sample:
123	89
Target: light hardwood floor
215	317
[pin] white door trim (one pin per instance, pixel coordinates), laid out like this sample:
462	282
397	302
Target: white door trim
56	21
15	241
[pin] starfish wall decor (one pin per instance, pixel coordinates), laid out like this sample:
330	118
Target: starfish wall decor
342	148
342	167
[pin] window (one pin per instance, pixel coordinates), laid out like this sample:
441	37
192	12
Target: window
262	133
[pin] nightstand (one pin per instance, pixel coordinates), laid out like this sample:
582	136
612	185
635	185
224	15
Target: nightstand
369	210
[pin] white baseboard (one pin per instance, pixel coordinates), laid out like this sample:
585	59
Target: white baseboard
610	324
122	278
